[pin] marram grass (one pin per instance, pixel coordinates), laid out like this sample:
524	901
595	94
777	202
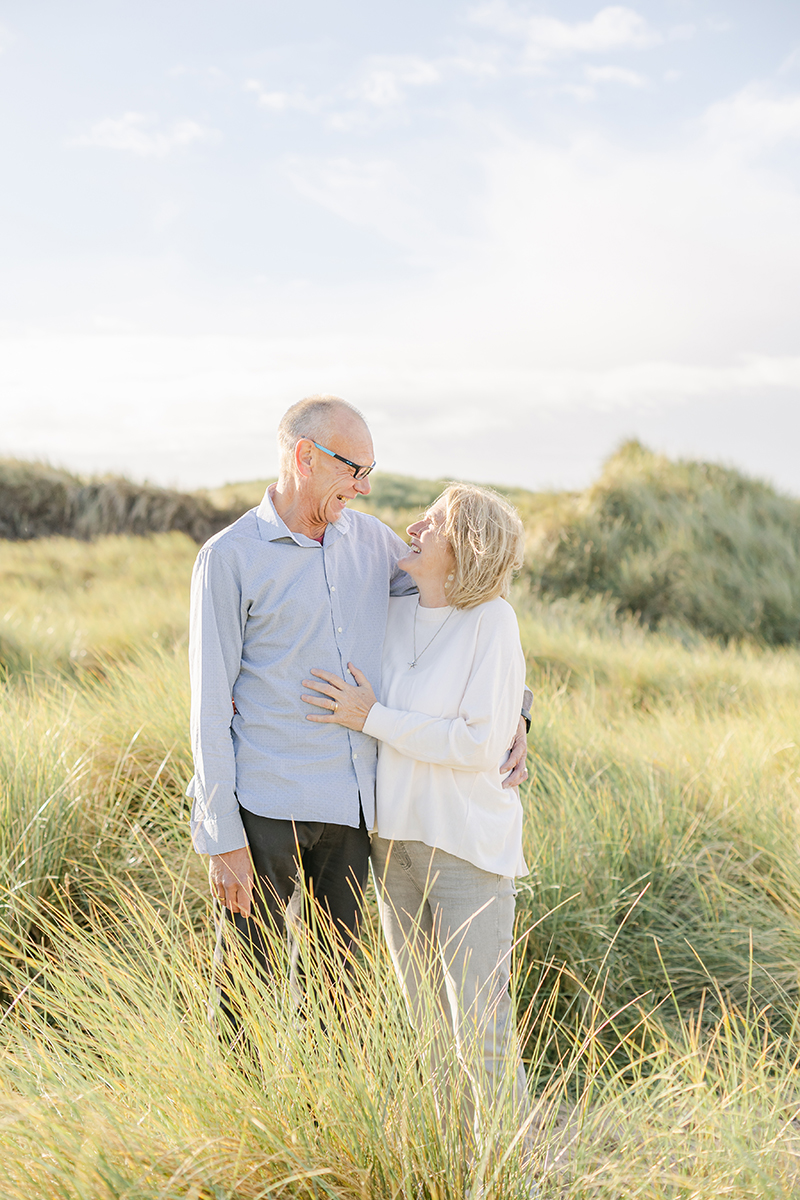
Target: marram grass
82	771
687	544
109	1048
659	930
668	828
114	1084
73	607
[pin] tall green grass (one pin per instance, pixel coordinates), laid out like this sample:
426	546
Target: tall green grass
687	544
94	708
85	774
682	545
659	930
114	1084
37	500
662	813
72	606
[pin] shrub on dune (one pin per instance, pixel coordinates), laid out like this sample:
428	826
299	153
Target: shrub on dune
678	543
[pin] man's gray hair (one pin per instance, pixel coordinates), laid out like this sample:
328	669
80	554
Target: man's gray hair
315	418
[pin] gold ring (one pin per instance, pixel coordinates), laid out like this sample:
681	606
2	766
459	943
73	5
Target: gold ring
335	706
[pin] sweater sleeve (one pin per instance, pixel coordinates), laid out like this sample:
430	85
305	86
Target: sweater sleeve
215	654
478	736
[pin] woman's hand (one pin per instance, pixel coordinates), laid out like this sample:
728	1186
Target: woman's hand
346	704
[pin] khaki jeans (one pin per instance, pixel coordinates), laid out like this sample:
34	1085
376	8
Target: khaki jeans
449	928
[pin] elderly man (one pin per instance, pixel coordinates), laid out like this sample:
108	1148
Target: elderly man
298	582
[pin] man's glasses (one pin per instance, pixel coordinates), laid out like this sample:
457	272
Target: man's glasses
358	472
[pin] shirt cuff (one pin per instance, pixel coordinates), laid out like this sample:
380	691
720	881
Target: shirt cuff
218	835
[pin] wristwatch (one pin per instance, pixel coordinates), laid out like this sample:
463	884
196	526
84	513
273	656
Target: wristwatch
527	701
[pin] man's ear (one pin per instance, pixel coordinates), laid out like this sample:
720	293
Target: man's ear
303	453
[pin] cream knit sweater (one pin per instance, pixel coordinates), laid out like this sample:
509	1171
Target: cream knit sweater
444	727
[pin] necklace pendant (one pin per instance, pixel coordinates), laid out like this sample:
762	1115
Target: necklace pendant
412	665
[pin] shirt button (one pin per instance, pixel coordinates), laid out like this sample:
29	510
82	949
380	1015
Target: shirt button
333	589
355	756
339	629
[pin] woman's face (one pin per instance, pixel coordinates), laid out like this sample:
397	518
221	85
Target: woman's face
430	557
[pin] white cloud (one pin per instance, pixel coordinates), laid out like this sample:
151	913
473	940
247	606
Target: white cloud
165	215
375	194
142	134
481	61
278	101
104	323
381	84
582	270
615	75
756	118
612	28
791	62
386	78
669	254
579	91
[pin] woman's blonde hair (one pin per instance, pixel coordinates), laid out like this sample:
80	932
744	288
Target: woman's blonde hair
487	539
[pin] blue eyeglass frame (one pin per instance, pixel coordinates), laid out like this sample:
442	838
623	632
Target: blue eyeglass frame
358	471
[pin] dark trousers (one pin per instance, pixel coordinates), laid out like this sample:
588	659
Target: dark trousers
295	862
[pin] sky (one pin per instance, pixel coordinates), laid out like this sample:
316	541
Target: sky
513	234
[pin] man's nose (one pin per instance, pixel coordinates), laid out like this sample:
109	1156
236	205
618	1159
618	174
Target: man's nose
363	486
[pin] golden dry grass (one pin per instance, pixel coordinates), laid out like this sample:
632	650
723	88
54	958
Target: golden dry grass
660	927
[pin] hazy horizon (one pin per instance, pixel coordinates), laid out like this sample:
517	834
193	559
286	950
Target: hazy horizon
433	477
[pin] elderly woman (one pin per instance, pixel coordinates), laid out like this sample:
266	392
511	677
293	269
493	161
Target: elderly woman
449	836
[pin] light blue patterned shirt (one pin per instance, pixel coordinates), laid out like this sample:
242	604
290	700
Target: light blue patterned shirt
267	606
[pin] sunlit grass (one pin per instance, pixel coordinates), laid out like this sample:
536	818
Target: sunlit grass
109	1046
113	1083
72	606
659	930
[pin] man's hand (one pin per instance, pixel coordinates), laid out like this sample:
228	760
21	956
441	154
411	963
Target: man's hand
231	879
515	762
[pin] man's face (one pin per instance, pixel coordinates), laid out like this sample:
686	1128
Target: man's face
331	483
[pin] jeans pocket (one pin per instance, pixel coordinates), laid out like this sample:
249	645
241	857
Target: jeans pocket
506	886
384	852
400	855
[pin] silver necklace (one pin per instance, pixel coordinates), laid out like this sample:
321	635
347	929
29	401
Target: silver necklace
417	657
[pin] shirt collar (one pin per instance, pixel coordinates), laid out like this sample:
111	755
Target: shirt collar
274	529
